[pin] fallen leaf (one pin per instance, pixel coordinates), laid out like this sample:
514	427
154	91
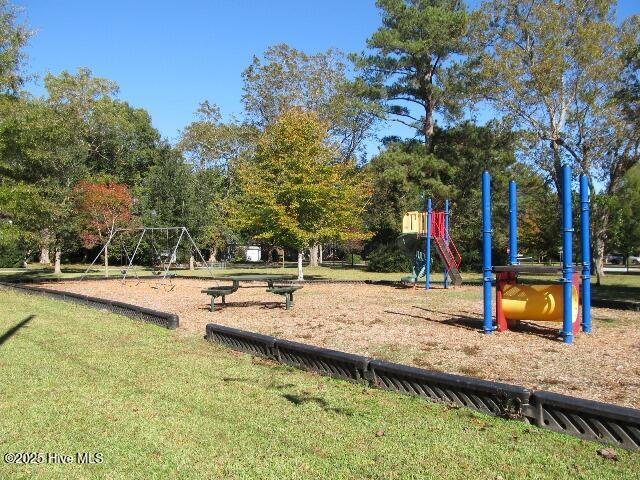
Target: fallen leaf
379	433
608	453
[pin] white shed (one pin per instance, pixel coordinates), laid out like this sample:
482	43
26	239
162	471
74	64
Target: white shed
254	253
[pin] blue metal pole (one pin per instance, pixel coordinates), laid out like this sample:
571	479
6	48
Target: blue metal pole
446	240
567	254
513	223
585	235
486	252
427	260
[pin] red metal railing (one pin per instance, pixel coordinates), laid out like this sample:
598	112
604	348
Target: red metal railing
453	250
439	230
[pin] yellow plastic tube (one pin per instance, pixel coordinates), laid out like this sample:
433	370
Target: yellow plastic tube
536	302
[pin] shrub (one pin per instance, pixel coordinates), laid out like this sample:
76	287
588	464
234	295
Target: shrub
11	256
388	258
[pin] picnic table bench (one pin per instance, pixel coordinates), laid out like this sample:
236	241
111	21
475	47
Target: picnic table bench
216	292
287	291
222	291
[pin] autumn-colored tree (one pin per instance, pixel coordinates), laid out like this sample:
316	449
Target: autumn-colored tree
294	192
104	208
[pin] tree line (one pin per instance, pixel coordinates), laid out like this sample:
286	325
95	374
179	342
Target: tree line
560	81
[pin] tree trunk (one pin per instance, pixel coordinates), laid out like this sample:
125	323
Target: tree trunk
106	260
44	255
600	226
320	254
626	260
428	125
313	255
192	262
300	272
598	257
557	170
57	259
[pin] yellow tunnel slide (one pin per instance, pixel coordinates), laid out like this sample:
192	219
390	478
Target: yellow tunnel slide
536	302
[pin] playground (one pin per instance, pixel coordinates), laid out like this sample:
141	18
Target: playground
176	400
386	239
440	330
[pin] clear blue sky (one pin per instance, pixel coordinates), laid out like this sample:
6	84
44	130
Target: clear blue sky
167	56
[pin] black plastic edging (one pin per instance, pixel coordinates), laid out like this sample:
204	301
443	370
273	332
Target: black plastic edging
588	419
495	398
249	342
322	360
163	319
561	413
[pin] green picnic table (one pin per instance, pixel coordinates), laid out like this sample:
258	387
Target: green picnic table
224	290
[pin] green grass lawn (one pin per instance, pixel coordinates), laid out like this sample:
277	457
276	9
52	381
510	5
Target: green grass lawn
159	404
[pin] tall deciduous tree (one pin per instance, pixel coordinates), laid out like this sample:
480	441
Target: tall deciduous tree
213	148
13	38
79	130
164	191
293	193
119	141
554	68
287	78
210	143
413	70
41	151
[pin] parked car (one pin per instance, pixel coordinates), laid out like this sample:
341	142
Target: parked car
634	260
614	259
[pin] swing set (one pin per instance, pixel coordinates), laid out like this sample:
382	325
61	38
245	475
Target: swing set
162	259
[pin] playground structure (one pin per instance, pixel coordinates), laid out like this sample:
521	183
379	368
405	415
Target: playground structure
166	258
559	302
418	229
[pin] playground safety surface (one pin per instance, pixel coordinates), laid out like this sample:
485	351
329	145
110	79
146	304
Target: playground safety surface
439	329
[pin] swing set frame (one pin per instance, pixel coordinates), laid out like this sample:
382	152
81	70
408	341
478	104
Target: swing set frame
172	254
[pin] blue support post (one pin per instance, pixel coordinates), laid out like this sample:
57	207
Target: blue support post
427	260
446	240
567	254
585	236
513	223
486	252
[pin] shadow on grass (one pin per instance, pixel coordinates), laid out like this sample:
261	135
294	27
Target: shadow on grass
321	402
13	330
616	292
